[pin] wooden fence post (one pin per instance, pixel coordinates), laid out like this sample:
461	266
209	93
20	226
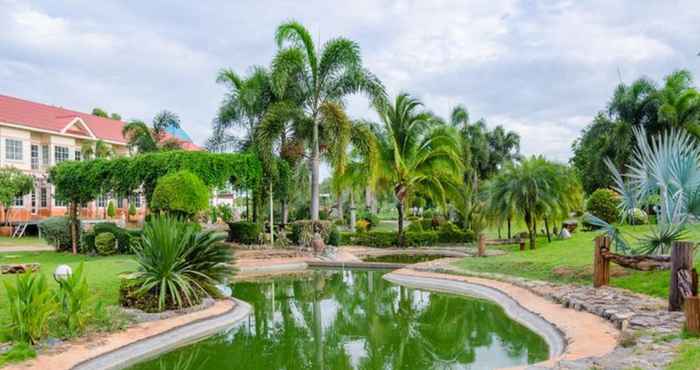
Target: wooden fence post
601	265
681	259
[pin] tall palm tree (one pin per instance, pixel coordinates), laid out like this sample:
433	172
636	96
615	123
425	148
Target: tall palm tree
420	154
97	149
146	139
679	103
532	187
322	78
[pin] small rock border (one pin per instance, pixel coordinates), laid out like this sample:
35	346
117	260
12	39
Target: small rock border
140	316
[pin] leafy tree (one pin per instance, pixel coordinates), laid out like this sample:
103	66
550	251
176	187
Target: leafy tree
181	194
150	139
97	149
420	154
99	112
116	116
319	79
13	183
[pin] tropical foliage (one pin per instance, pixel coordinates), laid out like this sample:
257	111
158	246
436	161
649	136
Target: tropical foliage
144	139
13	184
178	265
30	305
180	194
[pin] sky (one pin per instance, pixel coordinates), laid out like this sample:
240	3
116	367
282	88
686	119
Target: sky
540	68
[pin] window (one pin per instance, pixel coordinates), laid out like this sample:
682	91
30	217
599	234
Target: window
60	154
43	197
78	155
59	203
13	150
136	200
102	201
33	201
120	202
35	157
45	155
19	202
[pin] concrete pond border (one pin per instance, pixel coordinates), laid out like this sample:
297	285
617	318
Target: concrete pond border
555	338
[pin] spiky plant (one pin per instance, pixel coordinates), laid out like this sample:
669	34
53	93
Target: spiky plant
179	264
668	166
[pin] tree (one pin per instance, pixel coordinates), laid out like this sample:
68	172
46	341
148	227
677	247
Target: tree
97	149
321	79
421	155
13	184
679	103
150	139
102	113
181	194
534	188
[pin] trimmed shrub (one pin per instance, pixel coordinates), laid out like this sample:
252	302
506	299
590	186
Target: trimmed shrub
303	231
421	239
106	244
603	204
180	194
132	210
87	242
125	238
377	239
450	233
111	211
244	232
56	231
334	237
637	216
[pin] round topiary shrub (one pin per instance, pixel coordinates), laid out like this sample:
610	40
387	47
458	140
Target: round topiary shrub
181	194
603	204
106	244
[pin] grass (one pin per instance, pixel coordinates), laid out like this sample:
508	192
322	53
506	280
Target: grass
26	240
102	273
688	356
571	261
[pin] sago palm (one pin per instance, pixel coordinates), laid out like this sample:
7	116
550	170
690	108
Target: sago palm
321	79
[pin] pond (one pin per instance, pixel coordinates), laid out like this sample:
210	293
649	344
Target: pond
403	258
352	319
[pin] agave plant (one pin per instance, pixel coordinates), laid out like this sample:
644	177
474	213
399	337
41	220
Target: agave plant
179	264
667	166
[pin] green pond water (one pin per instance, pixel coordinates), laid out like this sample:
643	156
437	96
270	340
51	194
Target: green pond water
351	319
403	258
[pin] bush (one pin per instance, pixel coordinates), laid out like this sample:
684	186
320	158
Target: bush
179	264
125	238
603	204
130	295
30	305
361	226
180	194
18	353
637	216
414	226
56	231
132	210
421	239
323	214
111	211
377	239
371	218
450	233
225	212
106	244
244	232
334	237
303	231
72	297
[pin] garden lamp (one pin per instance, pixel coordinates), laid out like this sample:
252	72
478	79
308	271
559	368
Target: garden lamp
62	273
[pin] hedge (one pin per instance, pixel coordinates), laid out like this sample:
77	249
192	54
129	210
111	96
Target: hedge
125	238
56	231
384	239
303	231
243	232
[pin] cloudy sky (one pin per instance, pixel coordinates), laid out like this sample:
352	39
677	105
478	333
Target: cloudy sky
541	68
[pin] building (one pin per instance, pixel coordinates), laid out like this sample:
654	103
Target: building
35	136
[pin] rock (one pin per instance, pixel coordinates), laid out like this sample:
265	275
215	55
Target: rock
19	268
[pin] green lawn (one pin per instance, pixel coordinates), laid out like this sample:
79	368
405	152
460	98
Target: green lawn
571	261
101	272
27	240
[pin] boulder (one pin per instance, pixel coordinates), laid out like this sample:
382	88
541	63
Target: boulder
19	268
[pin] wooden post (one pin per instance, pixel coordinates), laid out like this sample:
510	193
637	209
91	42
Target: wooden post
522	244
601	265
681	259
482	246
692	314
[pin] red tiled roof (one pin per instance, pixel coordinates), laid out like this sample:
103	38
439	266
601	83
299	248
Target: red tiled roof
46	117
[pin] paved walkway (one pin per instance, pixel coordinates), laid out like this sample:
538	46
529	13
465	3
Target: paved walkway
26	248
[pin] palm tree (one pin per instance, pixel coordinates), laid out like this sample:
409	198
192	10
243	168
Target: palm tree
321	80
420	154
146	139
97	149
679	103
532	187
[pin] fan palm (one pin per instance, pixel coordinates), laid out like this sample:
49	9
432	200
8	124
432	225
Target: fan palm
321	80
150	139
420	154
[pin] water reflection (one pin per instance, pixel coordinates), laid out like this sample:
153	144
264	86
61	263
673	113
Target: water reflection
356	320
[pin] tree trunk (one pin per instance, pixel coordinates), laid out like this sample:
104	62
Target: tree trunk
285	212
255	206
509	234
681	259
465	216
247	205
481	251
315	180
399	207
272	216
531	229
74	227
352	211
339	206
546	227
